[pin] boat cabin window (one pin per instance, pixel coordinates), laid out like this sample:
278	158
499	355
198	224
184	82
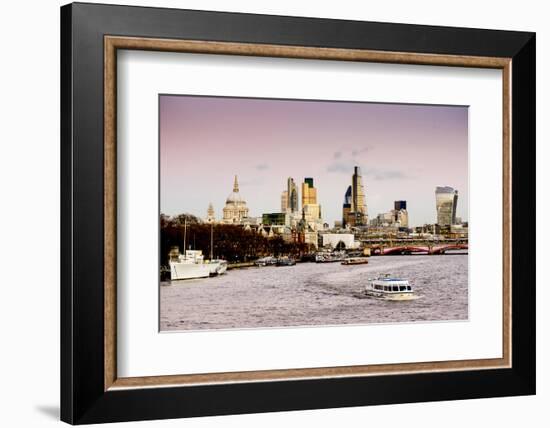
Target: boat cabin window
408	287
395	288
386	288
402	288
378	287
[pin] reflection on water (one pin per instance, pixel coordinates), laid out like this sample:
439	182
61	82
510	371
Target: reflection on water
316	294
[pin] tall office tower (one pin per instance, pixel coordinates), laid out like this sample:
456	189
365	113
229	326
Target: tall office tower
210	214
446	199
309	193
284	201
292	194
358	199
346	208
401	216
310	208
400	205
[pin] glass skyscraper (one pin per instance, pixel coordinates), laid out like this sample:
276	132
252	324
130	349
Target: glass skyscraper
446	199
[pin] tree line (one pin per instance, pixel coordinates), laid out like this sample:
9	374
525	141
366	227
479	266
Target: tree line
230	242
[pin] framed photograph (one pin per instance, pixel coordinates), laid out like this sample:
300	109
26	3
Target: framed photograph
266	213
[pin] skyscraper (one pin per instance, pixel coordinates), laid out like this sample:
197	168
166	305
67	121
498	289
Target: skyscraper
356	213
284	201
346	207
309	192
446	199
311	210
358	203
401	216
292	194
400	205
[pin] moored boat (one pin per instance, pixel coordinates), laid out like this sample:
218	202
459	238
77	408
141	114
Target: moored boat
285	261
266	261
217	266
355	261
387	288
189	265
330	257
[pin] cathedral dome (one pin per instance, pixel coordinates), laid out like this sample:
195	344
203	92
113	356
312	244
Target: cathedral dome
235	197
235	210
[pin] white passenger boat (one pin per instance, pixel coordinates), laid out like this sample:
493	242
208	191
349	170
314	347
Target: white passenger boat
387	288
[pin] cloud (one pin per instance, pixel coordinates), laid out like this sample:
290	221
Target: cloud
341	166
356	152
262	167
346	167
388	174
345	159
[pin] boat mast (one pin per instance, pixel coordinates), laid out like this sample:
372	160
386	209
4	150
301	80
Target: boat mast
184	235
211	241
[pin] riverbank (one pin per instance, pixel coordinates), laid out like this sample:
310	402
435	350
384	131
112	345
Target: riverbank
240	265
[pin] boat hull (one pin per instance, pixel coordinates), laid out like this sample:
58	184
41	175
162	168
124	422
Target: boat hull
395	297
179	271
355	262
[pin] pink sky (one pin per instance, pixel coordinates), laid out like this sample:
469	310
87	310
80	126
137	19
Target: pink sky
404	151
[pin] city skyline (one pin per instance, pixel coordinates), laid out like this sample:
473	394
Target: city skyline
404	152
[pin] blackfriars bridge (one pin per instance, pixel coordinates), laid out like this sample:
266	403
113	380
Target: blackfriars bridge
403	246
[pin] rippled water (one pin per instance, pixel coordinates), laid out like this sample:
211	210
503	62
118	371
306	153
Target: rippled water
317	294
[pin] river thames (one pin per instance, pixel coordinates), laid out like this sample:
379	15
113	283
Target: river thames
314	294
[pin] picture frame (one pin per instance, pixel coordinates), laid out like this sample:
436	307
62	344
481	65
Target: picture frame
91	35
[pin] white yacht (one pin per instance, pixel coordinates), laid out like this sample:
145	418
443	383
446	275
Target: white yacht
217	266
190	265
388	288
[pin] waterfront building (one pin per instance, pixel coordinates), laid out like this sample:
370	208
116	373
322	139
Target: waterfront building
333	240
396	218
235	210
270	219
210	214
446	199
400	214
459	231
312	213
401	217
306	232
354	210
383	220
